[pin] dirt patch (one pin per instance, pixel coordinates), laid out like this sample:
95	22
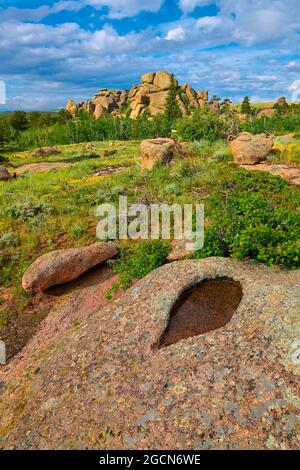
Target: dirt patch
42	167
108	170
289	172
203	308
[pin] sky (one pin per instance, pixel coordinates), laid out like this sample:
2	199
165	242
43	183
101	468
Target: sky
53	50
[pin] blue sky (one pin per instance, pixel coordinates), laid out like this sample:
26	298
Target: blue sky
54	50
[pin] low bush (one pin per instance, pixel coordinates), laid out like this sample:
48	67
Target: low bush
243	222
137	261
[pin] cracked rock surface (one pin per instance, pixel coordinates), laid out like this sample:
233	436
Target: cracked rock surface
103	383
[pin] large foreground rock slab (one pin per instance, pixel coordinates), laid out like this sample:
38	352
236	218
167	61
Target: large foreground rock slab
61	266
104	384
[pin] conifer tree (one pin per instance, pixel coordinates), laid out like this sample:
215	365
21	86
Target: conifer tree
172	111
246	106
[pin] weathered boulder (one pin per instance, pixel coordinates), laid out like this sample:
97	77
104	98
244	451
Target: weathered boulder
61	266
99	111
182	106
214	107
148	88
154	150
242	117
163	80
266	112
234	387
158	100
148	77
191	95
4	174
40	152
71	106
248	149
108	103
137	110
281	102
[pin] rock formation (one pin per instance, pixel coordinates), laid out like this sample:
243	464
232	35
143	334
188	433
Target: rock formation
248	149
147	98
61	266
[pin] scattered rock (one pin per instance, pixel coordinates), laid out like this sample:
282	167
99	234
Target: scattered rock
40	152
4	174
108	170
42	167
290	172
281	102
107	153
266	112
71	106
178	250
248	149
61	266
89	147
154	150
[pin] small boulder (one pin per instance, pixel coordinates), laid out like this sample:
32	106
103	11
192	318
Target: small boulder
154	150
266	112
89	147
4	174
40	152
248	149
71	106
61	266
162	80
147	77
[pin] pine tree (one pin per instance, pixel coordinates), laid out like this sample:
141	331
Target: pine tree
246	106
172	111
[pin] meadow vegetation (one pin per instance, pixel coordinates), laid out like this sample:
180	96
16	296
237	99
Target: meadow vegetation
248	215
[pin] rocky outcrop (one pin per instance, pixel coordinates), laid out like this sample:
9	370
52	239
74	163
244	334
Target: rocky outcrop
147	98
248	149
61	266
4	174
157	150
109	386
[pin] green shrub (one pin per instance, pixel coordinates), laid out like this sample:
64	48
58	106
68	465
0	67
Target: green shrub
244	223
172	188
137	261
28	210
201	125
8	239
